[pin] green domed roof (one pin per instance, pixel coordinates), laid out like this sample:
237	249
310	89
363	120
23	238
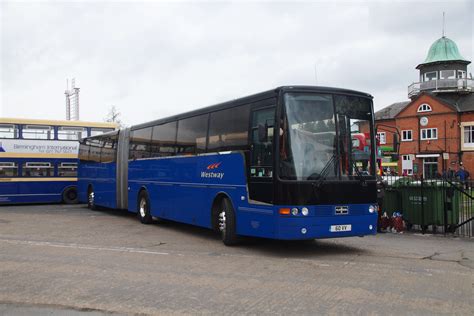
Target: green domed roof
443	49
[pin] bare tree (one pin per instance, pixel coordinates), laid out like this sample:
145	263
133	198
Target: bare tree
113	116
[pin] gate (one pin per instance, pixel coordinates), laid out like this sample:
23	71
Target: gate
436	205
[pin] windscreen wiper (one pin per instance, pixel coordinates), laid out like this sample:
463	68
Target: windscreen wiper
322	175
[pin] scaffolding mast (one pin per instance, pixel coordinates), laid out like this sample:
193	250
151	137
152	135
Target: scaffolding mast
72	101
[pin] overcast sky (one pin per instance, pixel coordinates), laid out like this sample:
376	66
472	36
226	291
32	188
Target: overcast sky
154	59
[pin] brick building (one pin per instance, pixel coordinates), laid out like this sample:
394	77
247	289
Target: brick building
436	126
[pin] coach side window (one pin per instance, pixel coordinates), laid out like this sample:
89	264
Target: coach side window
192	134
109	150
84	150
8	131
140	143
94	149
228	129
71	133
263	122
163	140
8	169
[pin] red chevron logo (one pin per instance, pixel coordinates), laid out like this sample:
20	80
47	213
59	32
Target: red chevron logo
214	166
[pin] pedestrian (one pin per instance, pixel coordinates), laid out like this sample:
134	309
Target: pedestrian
463	175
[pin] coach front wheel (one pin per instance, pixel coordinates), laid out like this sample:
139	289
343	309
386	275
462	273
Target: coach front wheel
226	223
144	208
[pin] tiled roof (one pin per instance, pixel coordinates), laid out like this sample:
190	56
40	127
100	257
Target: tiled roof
390	111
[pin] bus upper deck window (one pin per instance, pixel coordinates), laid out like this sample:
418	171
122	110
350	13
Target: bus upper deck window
98	131
8	131
38	132
71	133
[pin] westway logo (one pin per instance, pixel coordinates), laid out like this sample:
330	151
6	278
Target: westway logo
218	175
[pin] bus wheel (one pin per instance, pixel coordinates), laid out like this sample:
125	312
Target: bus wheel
226	223
70	196
144	208
90	198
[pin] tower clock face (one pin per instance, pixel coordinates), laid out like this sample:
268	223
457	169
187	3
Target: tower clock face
423	121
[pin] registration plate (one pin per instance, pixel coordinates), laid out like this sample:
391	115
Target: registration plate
340	228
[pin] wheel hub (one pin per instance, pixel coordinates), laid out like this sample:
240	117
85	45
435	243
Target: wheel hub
142	208
222	222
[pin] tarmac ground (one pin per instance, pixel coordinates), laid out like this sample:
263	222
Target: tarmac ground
69	260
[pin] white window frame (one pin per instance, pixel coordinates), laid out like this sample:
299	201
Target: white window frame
425	107
425	132
426	77
405	132
453	76
379	135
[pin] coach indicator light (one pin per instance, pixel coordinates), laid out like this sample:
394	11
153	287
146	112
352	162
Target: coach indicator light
284	211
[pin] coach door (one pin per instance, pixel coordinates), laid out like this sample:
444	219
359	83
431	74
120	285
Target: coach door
262	154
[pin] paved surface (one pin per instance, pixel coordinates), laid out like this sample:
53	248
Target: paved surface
57	260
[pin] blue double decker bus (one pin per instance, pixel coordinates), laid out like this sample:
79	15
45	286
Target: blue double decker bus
38	159
281	164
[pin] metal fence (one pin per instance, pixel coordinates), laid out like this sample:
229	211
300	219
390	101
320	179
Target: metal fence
438	205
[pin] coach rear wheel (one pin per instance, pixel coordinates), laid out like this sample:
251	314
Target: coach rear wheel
226	223
91	199
144	208
70	196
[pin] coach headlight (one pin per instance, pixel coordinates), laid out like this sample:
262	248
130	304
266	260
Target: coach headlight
372	209
294	211
304	211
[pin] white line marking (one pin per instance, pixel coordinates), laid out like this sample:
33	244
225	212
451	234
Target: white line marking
77	246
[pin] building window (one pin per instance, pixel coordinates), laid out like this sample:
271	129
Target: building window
407	135
433	75
407	165
424	108
448	74
469	135
382	138
429	133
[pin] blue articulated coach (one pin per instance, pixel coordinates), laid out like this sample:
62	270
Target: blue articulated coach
281	164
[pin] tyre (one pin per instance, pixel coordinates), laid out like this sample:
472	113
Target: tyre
91	198
144	208
70	196
226	223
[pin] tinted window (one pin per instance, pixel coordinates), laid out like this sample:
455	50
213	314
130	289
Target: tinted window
84	150
109	150
67	169
228	129
98	131
192	135
140	143
94	149
163	140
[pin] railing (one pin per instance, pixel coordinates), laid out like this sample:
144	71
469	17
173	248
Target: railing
456	85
